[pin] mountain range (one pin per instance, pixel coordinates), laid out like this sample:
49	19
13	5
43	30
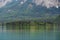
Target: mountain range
27	10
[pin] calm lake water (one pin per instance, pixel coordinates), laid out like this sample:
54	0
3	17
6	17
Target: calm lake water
29	35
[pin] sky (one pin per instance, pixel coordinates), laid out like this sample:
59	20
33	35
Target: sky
46	3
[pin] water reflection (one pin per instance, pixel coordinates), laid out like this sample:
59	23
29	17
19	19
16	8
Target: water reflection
29	31
32	26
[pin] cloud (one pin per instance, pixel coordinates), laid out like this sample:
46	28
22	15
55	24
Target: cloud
4	2
48	3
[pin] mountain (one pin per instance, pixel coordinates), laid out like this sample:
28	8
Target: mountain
48	3
20	10
4	2
57	20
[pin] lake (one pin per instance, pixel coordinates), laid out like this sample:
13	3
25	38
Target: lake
31	31
29	35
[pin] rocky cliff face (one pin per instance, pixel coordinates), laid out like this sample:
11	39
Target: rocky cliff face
4	2
28	9
46	3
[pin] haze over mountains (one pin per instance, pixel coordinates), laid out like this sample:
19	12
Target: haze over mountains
14	10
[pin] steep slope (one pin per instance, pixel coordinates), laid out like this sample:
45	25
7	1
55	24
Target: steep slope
27	11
